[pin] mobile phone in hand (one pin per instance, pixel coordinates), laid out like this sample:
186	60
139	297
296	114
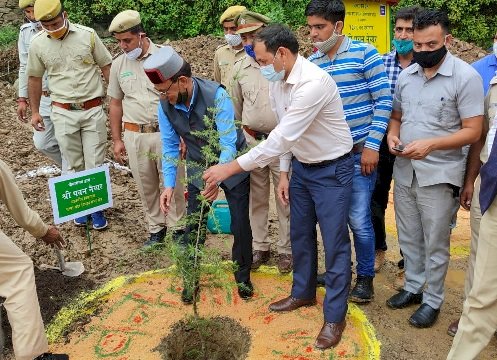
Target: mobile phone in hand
399	148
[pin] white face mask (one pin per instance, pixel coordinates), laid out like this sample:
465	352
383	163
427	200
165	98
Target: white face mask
135	53
35	25
233	39
495	48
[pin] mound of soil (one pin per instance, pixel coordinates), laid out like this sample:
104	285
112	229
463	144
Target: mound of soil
217	338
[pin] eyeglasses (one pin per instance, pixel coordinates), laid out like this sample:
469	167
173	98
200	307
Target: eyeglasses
164	92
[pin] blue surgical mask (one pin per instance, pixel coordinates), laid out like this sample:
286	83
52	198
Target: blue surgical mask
249	49
402	46
270	74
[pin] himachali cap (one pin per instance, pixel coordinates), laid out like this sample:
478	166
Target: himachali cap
162	65
231	13
46	10
249	21
23	4
125	21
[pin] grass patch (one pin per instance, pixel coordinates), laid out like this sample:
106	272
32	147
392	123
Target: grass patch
8	36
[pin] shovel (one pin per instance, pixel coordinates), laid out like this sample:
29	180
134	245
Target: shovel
71	269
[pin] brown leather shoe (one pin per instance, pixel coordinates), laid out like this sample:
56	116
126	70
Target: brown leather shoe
453	328
330	335
259	257
290	304
285	263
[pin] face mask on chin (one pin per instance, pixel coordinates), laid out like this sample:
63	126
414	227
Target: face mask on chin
135	53
58	33
429	59
325	46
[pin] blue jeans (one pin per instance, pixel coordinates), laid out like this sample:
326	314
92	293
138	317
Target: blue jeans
360	219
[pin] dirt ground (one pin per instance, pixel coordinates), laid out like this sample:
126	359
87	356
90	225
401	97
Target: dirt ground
117	250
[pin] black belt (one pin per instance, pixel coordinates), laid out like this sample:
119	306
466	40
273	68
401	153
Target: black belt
326	162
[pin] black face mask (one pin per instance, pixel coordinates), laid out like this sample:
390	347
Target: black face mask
429	59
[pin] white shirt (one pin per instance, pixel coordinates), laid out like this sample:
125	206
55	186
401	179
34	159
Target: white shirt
311	122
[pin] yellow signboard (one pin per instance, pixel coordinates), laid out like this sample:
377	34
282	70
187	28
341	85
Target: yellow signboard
368	21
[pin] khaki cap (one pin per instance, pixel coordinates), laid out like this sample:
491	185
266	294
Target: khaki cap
124	21
23	4
231	13
46	10
162	65
249	21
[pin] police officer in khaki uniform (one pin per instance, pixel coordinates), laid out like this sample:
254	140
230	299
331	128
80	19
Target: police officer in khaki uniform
17	280
44	141
250	94
73	56
133	105
226	55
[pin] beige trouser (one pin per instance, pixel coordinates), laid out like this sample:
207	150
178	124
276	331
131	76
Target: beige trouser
475	218
479	318
144	155
82	136
260	186
17	286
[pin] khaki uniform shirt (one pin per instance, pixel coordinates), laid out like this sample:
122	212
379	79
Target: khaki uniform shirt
12	197
129	83
433	108
224	59
73	63
250	95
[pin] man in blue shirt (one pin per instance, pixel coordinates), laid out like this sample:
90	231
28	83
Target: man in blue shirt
487	66
359	73
185	103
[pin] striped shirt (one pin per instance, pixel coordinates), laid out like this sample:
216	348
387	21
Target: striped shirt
359	73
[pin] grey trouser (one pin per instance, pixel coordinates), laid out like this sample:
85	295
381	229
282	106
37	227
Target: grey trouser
423	215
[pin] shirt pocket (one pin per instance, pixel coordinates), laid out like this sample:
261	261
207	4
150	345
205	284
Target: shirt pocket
442	113
82	57
129	84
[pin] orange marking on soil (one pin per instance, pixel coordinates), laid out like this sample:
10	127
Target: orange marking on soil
268	319
170	302
138	319
308	349
289	357
303	333
218	300
120	345
342	352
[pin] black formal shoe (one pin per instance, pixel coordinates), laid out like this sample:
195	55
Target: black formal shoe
424	317
245	290
404	299
320	279
363	291
50	356
155	238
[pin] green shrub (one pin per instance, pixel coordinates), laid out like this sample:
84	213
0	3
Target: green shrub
8	35
471	20
178	19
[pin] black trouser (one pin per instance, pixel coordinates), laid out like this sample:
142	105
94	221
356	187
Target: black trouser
238	201
379	199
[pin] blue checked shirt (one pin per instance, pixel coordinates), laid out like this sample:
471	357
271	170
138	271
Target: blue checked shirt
392	68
